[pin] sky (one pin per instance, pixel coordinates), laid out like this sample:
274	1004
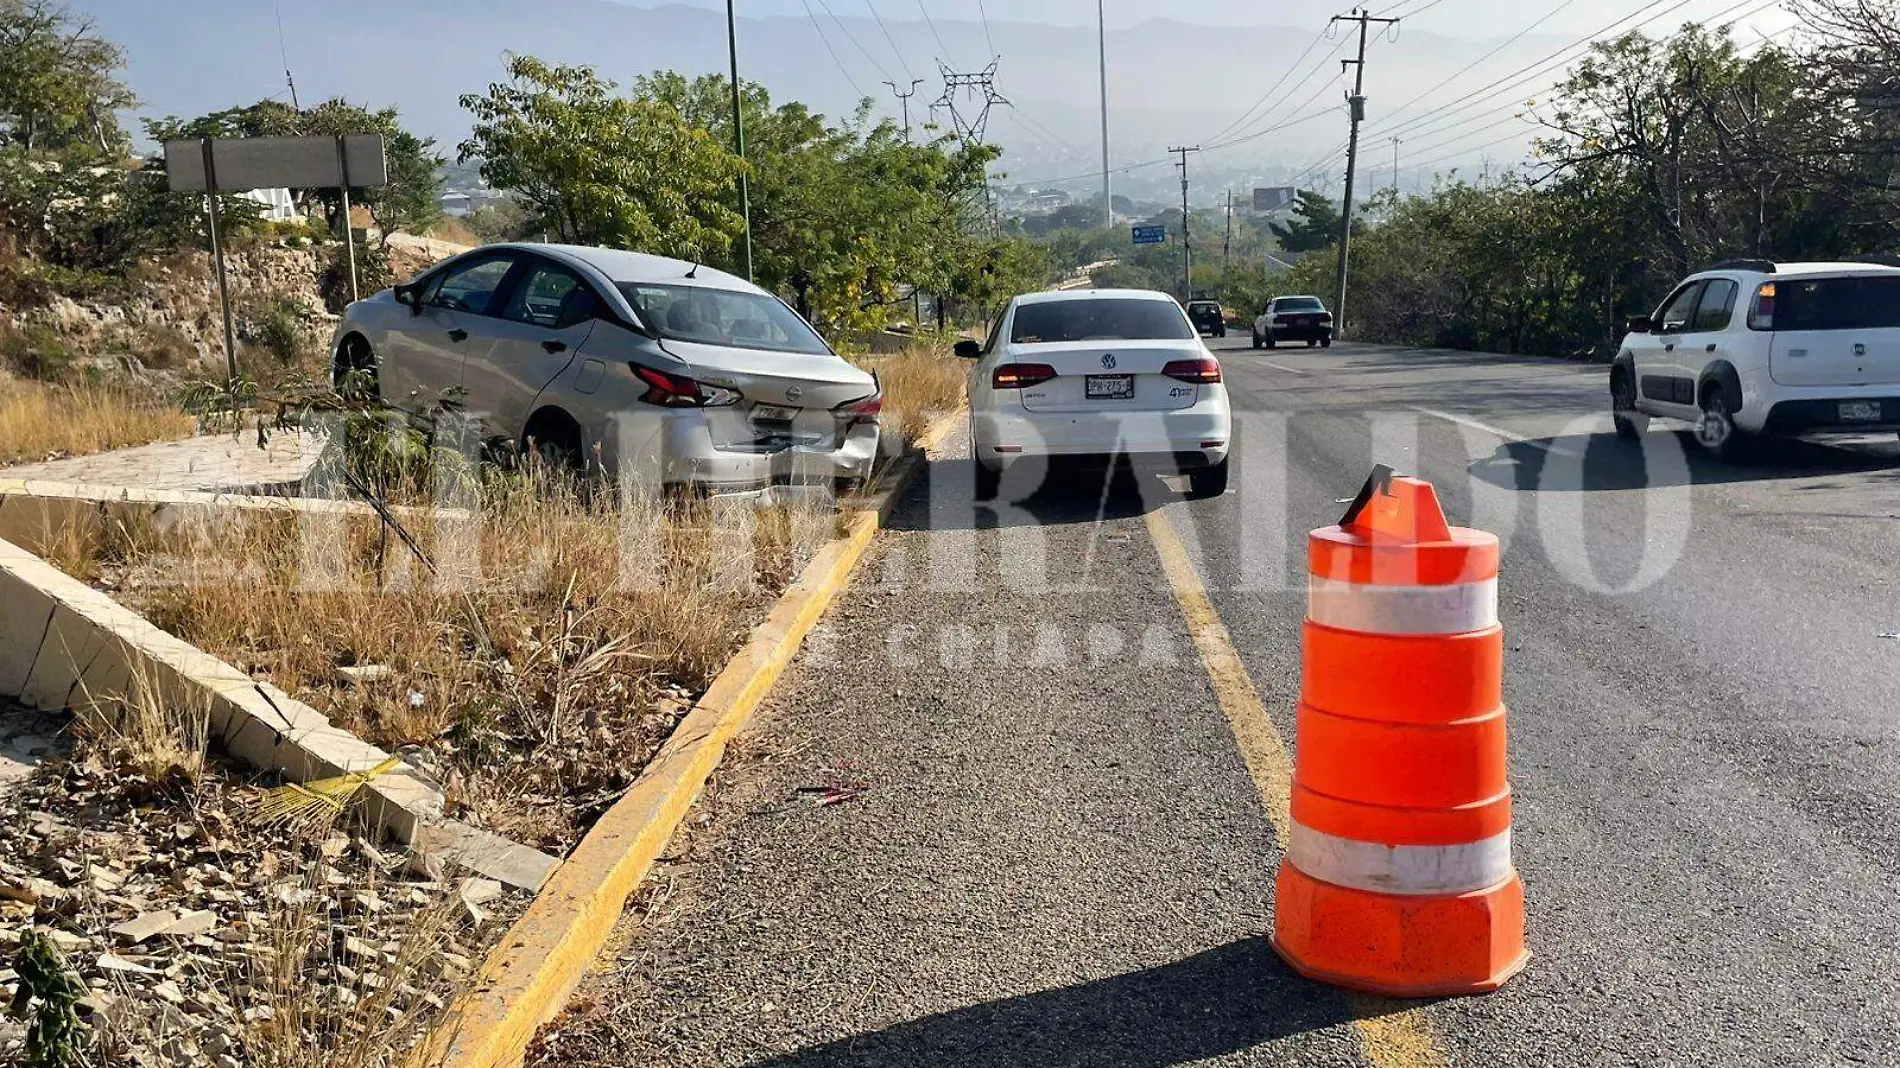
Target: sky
1475	19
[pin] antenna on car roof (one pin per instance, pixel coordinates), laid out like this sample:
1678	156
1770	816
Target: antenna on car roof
694	273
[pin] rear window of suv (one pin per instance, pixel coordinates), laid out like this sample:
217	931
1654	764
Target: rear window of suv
1849	303
1101	319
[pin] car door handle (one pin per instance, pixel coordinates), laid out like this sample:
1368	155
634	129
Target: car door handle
1710	348
554	346
458	334
1671	347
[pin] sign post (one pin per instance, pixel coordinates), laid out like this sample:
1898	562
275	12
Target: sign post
214	165
1151	235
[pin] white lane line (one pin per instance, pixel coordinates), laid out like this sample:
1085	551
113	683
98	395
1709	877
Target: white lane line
1508	435
1282	367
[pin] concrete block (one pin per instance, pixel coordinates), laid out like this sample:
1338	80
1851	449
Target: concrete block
506	862
25	615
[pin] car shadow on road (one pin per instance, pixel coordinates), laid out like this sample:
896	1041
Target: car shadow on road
1222	1001
944	498
1663	459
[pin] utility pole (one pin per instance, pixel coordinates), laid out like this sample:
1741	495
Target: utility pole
1227	245
1187	242
738	137
1395	167
283	52
1108	195
1357	101
904	99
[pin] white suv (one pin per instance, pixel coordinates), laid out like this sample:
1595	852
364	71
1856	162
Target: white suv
1753	347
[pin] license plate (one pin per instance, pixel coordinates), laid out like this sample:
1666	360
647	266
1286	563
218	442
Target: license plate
1110	387
771	413
1860	411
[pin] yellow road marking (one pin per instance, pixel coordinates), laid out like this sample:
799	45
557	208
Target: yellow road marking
1393	1034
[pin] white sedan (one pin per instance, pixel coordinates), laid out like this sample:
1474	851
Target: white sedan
1087	378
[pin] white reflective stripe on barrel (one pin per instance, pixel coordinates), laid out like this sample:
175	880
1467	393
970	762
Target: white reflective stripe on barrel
1456	609
1414	870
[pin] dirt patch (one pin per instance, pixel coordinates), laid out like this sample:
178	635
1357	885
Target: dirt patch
199	934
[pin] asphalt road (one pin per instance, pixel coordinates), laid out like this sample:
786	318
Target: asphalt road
1045	846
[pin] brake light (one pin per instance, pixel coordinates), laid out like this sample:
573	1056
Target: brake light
678	391
1020	375
1762	315
1204	371
859	411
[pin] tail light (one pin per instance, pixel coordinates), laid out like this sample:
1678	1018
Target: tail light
1020	375
1204	371
860	411
678	391
1762	315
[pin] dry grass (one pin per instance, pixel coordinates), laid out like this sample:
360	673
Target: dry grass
548	653
39	421
148	732
919	385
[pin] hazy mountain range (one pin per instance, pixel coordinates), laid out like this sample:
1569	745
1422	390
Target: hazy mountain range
1171	82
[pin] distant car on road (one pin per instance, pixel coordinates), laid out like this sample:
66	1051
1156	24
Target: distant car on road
1752	347
1207	317
1088	378
695	378
1293	319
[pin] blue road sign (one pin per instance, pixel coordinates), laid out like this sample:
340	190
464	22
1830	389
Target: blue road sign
1151	235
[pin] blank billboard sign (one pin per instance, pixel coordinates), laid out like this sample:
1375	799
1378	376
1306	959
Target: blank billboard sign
278	163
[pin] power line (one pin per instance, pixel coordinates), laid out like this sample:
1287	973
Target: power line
1556	59
1264	97
932	23
1277	127
892	41
991	41
1297	86
1508	42
1032	126
1446	123
842	69
849	36
1358	104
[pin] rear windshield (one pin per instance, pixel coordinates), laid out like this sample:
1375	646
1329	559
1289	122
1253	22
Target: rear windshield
1862	303
1297	304
722	317
1203	306
1102	319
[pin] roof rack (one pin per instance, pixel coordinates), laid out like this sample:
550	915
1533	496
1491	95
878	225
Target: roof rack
1762	266
1878	259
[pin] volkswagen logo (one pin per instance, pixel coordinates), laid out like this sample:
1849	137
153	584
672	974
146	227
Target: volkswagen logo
1108	359
794	393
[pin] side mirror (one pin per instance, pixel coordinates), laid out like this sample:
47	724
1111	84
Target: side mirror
969	350
1639	325
405	295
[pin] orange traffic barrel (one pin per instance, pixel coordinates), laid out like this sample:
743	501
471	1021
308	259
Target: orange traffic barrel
1397	878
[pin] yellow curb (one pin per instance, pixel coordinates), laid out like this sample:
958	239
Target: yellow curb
527	979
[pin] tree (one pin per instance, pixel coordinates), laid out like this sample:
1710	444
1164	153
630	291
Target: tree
1315	226
408	203
59	86
600	168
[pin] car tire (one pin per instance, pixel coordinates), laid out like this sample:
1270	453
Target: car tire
1325	343
1716	431
1257	343
1208	482
353	372
1270	343
988	482
1631	424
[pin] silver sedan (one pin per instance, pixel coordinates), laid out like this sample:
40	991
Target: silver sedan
646	368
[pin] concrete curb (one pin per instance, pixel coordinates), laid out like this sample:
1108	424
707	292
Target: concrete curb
527	979
33	511
65	645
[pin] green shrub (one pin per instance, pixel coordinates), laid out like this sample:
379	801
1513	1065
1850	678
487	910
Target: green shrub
35	352
279	330
373	274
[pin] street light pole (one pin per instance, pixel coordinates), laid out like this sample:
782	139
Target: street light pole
1108	196
738	137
